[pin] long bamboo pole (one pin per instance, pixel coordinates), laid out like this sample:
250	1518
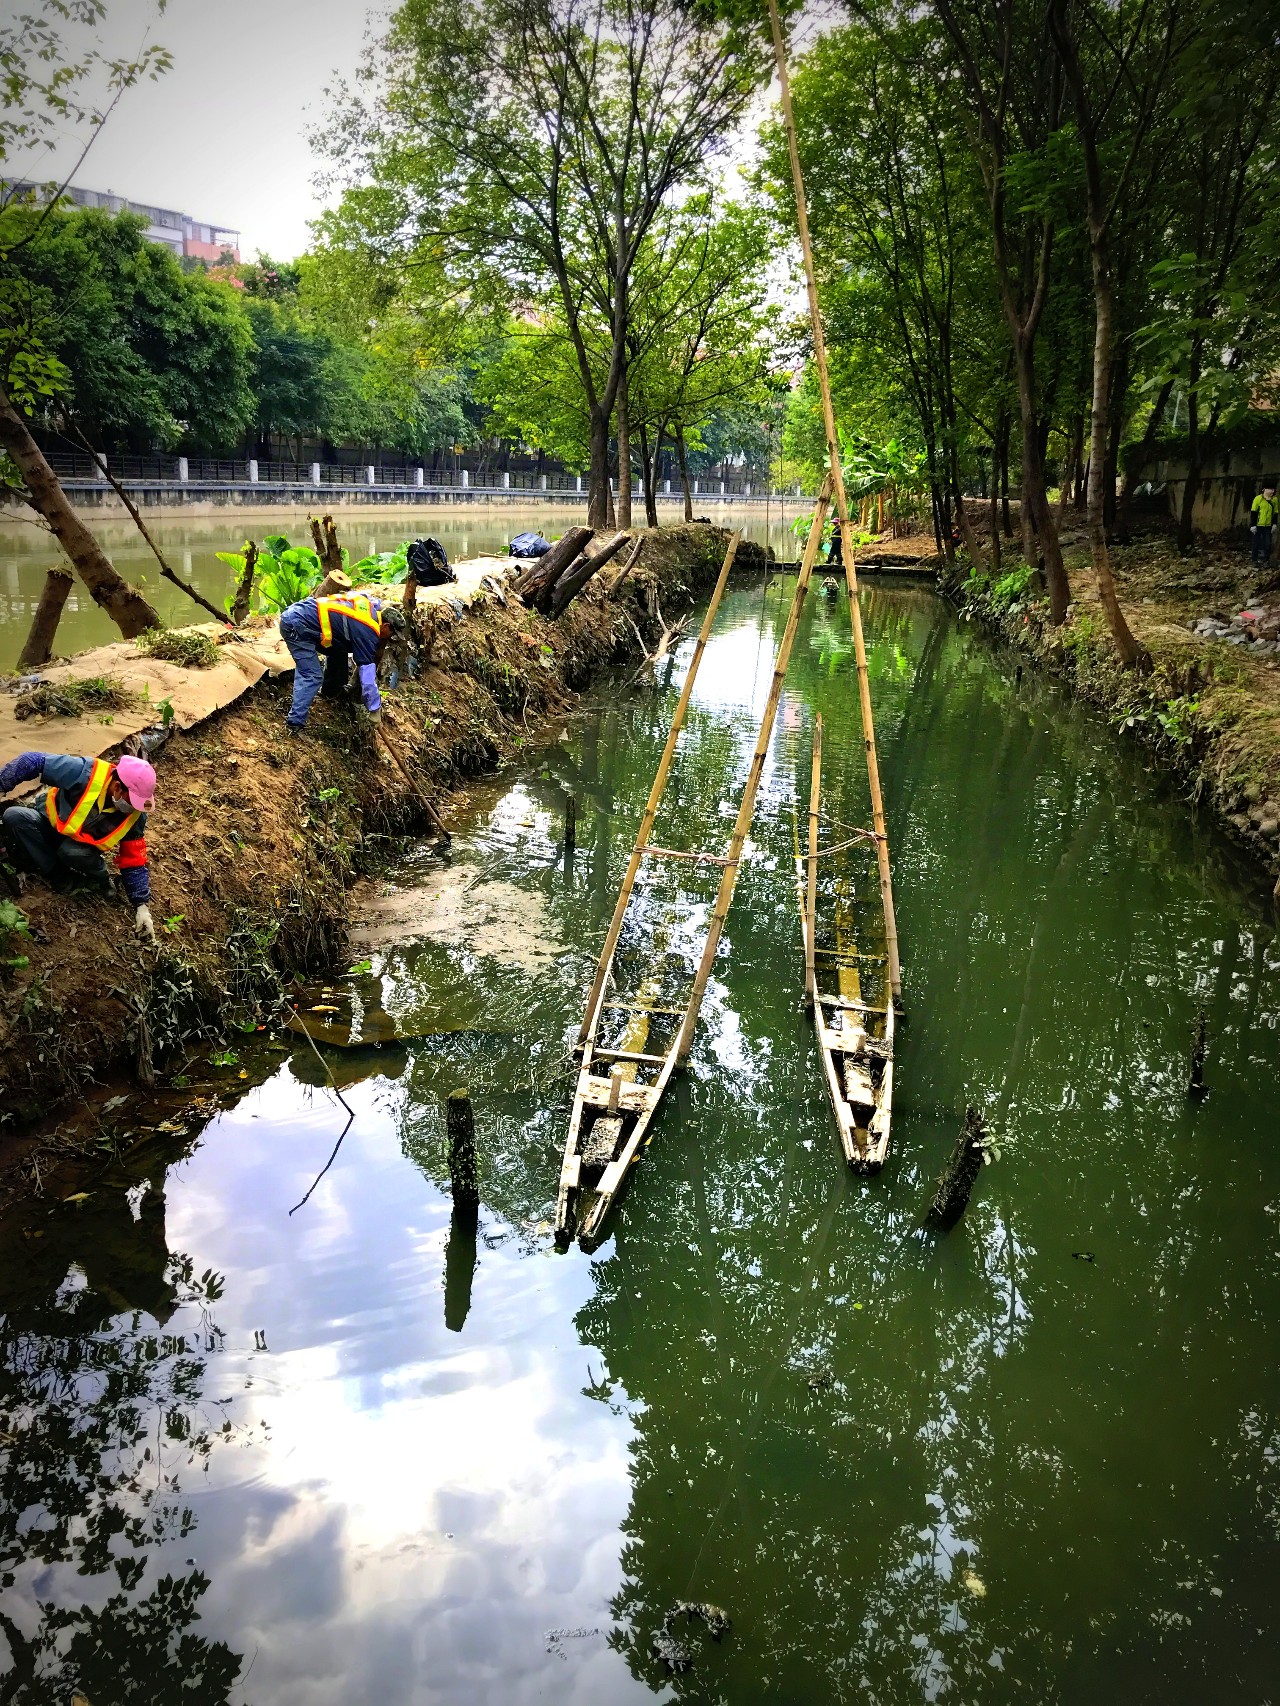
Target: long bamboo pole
842	511
655	799
811	885
747	806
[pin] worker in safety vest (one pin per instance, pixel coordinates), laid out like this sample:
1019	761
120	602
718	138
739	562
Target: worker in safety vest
342	627
1262	519
90	808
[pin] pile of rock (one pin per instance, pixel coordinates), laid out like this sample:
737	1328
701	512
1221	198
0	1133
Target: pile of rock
1256	626
1253	815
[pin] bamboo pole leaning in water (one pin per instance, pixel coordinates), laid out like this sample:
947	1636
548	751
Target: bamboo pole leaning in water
655	797
842	511
811	886
746	809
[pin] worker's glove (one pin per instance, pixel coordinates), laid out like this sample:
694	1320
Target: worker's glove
375	719
143	924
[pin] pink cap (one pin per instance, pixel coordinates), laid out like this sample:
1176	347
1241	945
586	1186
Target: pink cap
139	780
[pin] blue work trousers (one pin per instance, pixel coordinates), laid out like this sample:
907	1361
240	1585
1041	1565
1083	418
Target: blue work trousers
313	670
1260	543
38	847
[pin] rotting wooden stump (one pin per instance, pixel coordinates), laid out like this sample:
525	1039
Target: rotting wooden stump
951	1197
461	1127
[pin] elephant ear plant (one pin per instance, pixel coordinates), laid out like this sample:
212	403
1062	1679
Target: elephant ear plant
283	573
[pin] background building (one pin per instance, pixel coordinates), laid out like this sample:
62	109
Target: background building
177	231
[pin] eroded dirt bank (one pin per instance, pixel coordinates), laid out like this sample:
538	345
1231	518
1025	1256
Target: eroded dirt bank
1209	708
255	837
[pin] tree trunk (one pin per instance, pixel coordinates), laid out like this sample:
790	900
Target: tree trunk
1099	431
684	474
598	481
995	522
44	624
1075	454
1035	503
123	603
968	538
1006	514
1119	390
622	410
1187	507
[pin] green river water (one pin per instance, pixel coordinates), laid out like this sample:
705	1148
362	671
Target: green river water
256	1456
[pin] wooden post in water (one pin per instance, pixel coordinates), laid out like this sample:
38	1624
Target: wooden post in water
842	511
811	884
747	806
1196	1087
655	799
951	1197
461	1127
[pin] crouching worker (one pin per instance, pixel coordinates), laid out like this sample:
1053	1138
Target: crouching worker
89	808
351	626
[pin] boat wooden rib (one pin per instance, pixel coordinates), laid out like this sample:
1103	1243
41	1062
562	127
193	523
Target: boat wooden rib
849	991
620	1086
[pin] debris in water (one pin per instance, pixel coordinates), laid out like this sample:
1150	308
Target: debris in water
975	1584
674	1654
1083	1255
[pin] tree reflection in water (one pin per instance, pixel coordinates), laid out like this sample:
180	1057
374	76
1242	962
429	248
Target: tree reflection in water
101	1424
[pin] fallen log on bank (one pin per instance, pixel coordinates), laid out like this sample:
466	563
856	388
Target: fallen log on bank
538	579
580	571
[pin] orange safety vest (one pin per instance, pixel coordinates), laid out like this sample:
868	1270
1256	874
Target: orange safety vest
356	609
91	800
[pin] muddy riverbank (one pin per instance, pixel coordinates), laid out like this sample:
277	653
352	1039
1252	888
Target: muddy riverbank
1209	708
255	838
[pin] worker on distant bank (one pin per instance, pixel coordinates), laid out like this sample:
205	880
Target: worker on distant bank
90	809
343	627
1262	520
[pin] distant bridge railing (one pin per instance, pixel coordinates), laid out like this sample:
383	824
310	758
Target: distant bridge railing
214	473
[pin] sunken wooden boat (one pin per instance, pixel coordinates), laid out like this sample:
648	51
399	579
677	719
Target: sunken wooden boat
624	1071
848	987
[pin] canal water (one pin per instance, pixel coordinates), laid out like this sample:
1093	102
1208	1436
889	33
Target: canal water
262	1452
191	544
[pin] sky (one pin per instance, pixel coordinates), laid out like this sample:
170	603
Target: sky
223	135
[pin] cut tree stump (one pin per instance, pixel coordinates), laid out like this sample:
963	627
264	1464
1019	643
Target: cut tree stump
44	624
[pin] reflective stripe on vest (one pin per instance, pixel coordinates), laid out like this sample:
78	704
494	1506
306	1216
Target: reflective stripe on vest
92	799
354	609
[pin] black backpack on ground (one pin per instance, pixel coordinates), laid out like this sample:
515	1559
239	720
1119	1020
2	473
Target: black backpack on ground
429	564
